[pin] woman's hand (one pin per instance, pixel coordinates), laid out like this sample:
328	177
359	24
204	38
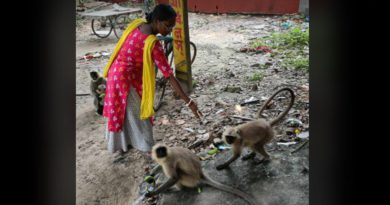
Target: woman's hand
191	104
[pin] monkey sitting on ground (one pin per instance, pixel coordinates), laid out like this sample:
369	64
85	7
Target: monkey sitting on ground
98	89
254	134
183	168
99	100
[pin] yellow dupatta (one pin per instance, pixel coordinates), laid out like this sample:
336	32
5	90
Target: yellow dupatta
148	73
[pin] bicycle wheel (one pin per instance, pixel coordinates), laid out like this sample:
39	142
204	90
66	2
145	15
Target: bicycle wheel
193	52
169	52
121	22
102	27
161	84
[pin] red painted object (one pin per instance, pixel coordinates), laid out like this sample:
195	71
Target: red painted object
242	6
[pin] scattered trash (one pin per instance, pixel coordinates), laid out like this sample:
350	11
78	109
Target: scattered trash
189	130
259	49
90	56
105	53
264	49
263	98
286	143
97	55
286	25
223	147
213	151
292	122
219	111
251	100
146	187
290	131
149	179
199	190
303	135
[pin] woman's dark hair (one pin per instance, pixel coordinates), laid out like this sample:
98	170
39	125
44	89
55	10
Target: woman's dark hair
161	12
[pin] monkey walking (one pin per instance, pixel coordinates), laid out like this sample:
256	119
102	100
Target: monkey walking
254	134
183	168
98	90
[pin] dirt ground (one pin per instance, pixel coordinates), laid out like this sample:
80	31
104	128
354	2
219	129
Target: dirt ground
101	179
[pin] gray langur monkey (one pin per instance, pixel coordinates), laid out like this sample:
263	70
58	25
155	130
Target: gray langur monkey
254	134
183	168
98	90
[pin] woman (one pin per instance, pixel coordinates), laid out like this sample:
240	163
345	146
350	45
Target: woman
128	103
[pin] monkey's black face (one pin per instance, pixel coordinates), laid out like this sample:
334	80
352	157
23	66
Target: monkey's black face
94	75
161	152
230	139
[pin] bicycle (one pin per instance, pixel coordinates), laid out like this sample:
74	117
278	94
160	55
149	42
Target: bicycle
111	19
148	6
161	81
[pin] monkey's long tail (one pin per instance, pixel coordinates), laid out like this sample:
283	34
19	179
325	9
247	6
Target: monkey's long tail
207	180
284	113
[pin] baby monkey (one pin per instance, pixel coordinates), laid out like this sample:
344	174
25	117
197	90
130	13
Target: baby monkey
98	90
254	134
183	168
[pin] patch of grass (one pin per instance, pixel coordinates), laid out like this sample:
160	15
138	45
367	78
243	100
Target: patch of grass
257	43
289	46
294	37
258	76
299	63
